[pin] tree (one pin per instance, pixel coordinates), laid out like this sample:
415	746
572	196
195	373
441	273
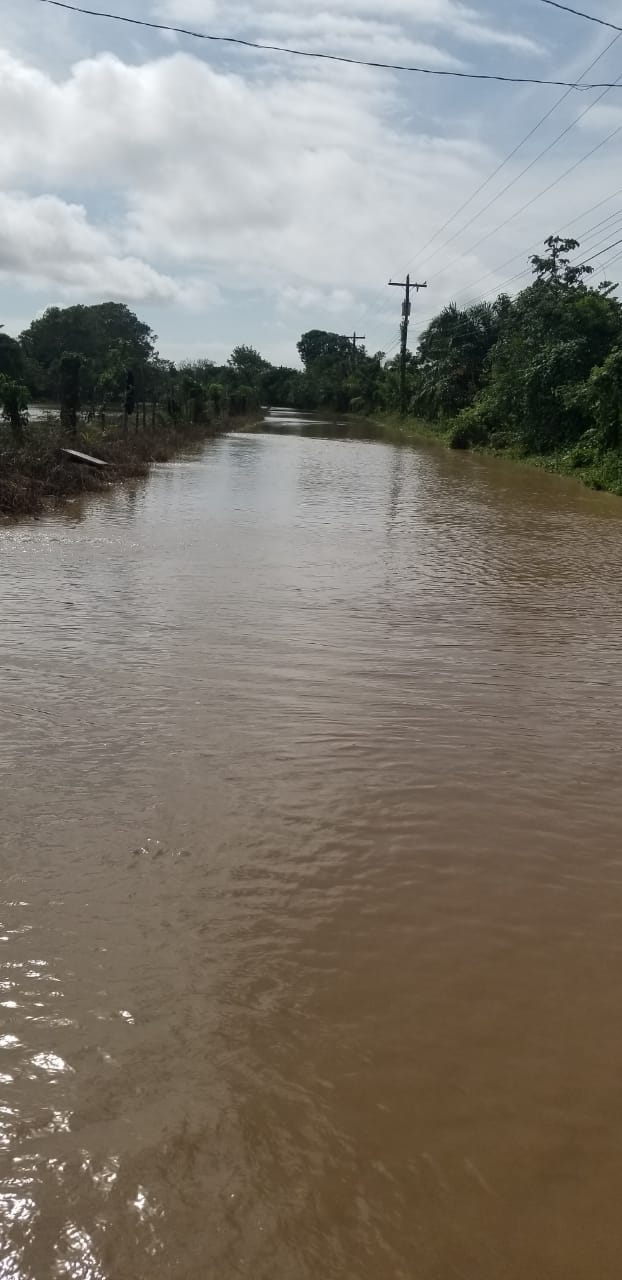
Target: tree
216	394
11	358
195	398
327	359
280	385
320	348
452	356
242	400
556	267
550	339
247	365
602	396
14	405
70	366
109	337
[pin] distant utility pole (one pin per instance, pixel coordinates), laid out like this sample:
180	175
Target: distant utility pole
354	339
406	310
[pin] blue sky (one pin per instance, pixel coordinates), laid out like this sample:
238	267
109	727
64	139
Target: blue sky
231	196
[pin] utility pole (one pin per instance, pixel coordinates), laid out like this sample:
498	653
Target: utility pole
354	340
406	310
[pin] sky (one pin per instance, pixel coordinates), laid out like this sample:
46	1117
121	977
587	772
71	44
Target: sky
231	196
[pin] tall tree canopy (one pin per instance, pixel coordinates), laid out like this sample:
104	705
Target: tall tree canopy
11	357
109	337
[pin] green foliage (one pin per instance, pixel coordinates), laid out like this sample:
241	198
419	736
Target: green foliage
109	338
541	374
195	397
247	366
282	386
452	356
601	399
556	267
335	375
553	336
11	358
243	399
469	430
317	348
216	396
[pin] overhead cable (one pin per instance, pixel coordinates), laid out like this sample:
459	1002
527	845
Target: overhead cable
324	57
578	13
511	155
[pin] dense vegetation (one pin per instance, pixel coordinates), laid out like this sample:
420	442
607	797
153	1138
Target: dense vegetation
540	374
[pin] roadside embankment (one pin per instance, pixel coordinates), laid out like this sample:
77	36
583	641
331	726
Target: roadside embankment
37	474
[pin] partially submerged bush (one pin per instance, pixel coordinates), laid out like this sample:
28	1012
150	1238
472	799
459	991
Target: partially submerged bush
468	430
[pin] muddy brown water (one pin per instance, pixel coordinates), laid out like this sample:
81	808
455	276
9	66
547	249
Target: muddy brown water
311	872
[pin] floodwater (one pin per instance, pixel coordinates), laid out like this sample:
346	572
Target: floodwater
311	872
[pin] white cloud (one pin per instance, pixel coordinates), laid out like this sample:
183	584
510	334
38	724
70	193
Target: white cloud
295	187
333	301
45	242
355	38
259	180
459	21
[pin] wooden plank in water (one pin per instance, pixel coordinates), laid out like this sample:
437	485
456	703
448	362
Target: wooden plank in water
84	458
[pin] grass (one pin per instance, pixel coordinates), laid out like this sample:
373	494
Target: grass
37	475
394	427
601	471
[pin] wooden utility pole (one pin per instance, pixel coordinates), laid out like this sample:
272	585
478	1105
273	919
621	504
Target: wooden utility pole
356	338
407	285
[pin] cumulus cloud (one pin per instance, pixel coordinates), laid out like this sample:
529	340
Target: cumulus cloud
47	242
214	171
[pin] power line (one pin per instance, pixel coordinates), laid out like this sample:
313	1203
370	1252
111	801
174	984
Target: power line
602	251
536	244
511	155
577	13
507	159
505	162
612	261
534	199
596	243
528	167
499	289
324	57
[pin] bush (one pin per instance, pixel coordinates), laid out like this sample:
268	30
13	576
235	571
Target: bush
468	430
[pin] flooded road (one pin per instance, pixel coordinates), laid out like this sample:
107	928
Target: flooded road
311	872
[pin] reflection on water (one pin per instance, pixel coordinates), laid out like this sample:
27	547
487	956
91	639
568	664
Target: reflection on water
311	882
316	425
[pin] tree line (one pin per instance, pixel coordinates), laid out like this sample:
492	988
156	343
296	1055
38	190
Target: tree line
89	359
93	359
538	372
